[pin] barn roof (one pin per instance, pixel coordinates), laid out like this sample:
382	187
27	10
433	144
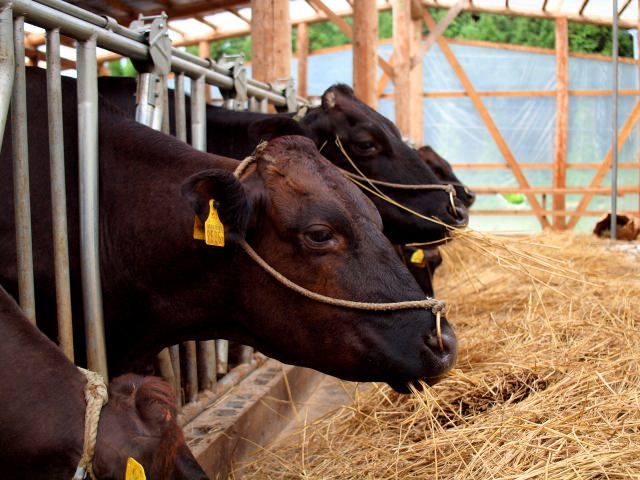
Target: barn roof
197	20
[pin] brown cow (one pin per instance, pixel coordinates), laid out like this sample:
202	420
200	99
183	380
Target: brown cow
43	414
160	286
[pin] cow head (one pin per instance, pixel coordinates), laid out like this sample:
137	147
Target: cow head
442	169
317	229
139	421
375	145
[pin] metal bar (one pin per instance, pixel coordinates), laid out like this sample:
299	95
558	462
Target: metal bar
181	116
264	105
222	356
165	106
253	104
21	198
191	374
174	352
98	20
89	218
206	349
145	100
166	367
246	354
206	365
7	65
123	41
614	123
58	195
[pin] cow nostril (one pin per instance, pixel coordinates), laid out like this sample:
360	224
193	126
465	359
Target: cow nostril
458	215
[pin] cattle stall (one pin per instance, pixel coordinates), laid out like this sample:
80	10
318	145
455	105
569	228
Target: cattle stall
148	44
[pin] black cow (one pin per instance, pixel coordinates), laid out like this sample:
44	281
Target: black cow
422	262
372	141
161	286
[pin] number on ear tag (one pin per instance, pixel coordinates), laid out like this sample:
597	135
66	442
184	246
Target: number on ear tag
213	228
134	470
418	259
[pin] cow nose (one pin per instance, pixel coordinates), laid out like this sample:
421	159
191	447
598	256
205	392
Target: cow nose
443	344
472	197
459	215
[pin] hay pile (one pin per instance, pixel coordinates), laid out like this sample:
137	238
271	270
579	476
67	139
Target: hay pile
547	383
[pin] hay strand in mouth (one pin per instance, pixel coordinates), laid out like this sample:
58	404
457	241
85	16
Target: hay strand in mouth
547	383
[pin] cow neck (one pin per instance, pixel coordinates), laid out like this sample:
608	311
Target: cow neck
45	389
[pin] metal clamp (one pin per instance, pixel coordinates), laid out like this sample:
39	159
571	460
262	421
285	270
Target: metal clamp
235	98
152	71
287	88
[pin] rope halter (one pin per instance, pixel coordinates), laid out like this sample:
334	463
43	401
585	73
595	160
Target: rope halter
436	306
95	396
373	189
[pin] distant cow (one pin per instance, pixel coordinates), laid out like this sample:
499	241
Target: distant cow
43	414
161	287
371	140
423	264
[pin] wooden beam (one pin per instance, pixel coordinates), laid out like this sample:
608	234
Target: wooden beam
416	88
365	41
402	64
488	120
524	213
623	135
624	7
544	166
303	59
582	7
206	22
482	190
436	33
271	40
562	117
340	22
237	14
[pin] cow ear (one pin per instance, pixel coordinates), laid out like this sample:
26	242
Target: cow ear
273	127
228	193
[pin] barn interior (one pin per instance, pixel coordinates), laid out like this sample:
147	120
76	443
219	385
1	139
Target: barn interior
547	139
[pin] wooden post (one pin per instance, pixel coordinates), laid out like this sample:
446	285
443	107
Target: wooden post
271	40
365	41
415	78
204	51
562	118
402	63
303	59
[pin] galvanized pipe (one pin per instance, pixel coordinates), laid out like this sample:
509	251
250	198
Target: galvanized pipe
83	25
174	352
87	69
246	354
207	349
181	116
222	356
166	128
7	65
21	198
264	105
58	195
145	98
614	122
191	374
98	20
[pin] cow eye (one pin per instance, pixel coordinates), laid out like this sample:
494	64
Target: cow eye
319	236
364	147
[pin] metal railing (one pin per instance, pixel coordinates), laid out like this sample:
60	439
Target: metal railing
148	44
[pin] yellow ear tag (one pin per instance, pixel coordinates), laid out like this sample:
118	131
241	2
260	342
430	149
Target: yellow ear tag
198	229
418	258
213	228
134	470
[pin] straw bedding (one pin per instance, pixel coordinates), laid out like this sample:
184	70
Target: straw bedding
547	383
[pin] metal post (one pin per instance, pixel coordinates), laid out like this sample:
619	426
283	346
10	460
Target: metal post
181	117
191	375
165	107
22	203
145	98
7	65
222	356
614	122
207	349
174	352
87	69
264	105
58	194
253	104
